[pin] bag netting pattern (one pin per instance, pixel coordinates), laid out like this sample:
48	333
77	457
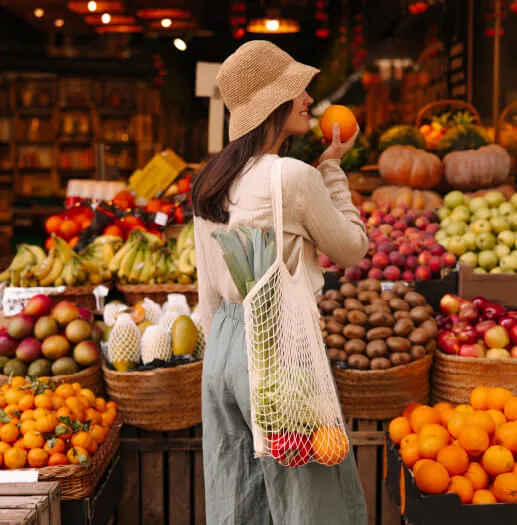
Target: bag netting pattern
296	416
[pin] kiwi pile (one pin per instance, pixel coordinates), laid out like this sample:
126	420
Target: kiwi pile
366	328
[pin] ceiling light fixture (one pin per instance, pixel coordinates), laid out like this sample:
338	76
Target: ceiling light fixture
273	22
59	22
106	18
166	22
180	44
39	13
92	6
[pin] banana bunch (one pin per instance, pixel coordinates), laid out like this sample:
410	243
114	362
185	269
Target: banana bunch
48	271
184	256
19	272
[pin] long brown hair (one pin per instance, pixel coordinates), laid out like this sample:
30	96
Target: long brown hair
212	184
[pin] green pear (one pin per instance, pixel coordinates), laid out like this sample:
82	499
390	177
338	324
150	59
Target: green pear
457	246
454	199
469	258
507	238
460	214
513	200
477	203
456	228
506	209
483	213
481	226
443	213
445	223
496	270
441	235
470	239
508	263
487	259
512	220
501	250
485	241
494	198
499	224
479	270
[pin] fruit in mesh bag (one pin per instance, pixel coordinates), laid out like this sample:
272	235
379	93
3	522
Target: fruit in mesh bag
124	344
153	312
156	344
184	336
329	445
199	351
177	303
110	312
167	320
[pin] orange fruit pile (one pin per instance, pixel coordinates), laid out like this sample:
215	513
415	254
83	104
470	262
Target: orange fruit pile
46	425
469	450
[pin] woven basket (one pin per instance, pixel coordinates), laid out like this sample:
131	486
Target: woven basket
80	295
163	399
134	293
90	377
75	481
439	106
383	394
454	377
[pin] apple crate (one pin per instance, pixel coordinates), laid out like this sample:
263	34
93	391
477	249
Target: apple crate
441	509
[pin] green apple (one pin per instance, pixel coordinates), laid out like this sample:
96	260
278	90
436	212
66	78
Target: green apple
496	270
501	250
487	259
485	241
477	203
457	246
470	239
507	238
469	258
479	270
499	224
456	228
460	214
513	200
454	199
494	198
512	220
443	213
483	213
481	226
508	263
441	235
506	209
445	223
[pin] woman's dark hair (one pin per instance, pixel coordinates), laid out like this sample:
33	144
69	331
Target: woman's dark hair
212	184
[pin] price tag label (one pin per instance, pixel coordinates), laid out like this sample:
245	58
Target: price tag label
161	218
18	476
386	286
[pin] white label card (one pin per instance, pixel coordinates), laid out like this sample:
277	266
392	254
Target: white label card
19	476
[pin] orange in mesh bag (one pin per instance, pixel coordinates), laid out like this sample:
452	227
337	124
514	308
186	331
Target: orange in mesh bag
295	411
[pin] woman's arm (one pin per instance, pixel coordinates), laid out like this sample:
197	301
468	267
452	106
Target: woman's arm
209	298
327	212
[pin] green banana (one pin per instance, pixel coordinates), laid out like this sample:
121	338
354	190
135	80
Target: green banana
137	266
15	277
148	269
127	262
22	259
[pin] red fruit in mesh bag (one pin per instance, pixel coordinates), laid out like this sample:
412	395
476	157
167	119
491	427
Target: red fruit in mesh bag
290	449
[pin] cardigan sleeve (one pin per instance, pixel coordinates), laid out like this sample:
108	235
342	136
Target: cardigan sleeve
209	298
327	212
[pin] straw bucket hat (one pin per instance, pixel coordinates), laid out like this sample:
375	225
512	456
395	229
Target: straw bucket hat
257	79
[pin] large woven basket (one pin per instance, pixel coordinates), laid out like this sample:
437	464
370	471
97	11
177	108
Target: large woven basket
454	377
77	482
80	295
382	394
134	293
90	377
162	399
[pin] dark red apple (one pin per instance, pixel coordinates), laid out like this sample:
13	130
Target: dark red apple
435	265
411	263
507	322
392	273
389	219
512	314
408	276
480	302
437	250
513	335
494	311
450	304
449	343
353	273
400	225
385	247
468	312
468	335
365	265
397	259
432	228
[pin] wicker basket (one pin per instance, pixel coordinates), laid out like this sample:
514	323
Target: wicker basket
454	377
438	106
163	399
90	377
76	482
134	293
80	295
383	394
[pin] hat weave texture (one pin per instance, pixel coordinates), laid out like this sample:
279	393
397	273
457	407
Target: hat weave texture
257	79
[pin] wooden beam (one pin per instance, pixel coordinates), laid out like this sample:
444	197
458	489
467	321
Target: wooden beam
496	70
470	48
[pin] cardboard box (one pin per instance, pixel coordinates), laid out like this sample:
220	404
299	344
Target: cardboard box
500	288
442	509
101	505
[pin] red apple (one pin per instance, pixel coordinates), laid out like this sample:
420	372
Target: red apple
449	343
494	311
375	273
353	273
437	250
480	302
406	249
396	234
450	304
385	247
433	228
429	241
38	306
496	337
512	314
408	276
397	259
513	335
449	259
380	260
392	273
400	225
421	223
468	335
325	261
389	219
422	273
411	262
507	322
483	326
435	265
424	258
469	313
365	265
472	350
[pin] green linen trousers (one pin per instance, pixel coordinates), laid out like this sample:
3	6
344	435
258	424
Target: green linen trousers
241	489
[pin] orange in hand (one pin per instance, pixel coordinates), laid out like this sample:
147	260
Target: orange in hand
342	116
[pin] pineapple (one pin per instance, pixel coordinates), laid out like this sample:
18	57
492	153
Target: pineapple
124	344
156	344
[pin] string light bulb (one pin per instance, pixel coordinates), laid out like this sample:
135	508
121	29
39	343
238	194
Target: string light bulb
39	13
59	22
92	6
106	18
166	22
272	25
180	44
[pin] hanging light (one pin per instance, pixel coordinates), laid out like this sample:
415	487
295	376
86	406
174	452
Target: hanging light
273	23
81	7
59	22
92	6
166	22
418	7
180	44
39	13
106	18
513	6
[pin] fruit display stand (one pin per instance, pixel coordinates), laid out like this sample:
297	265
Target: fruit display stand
163	399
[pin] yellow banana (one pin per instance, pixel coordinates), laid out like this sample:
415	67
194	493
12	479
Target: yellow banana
119	256
44	268
127	262
90	266
137	266
64	251
38	253
107	254
54	273
15	277
23	258
148	269
69	274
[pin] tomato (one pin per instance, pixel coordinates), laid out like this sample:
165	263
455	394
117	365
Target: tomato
184	185
290	449
179	216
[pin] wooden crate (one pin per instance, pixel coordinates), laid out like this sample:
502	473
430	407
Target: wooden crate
176	459
30	503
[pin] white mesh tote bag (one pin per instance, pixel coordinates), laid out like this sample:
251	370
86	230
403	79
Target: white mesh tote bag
295	411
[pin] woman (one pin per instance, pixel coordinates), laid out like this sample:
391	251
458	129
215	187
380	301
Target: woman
264	89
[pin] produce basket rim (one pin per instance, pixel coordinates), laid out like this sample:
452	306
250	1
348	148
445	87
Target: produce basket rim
157	287
475	360
390	371
155	371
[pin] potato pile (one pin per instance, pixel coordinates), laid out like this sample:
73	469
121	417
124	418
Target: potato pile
371	329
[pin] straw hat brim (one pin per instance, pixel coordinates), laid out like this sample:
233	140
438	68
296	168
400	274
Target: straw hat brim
287	86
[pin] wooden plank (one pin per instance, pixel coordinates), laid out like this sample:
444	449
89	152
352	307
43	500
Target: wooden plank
18	517
199	483
162	444
38	503
390	513
180	483
152	485
47	489
128	511
367	466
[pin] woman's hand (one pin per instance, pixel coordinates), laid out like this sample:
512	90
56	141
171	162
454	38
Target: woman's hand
337	149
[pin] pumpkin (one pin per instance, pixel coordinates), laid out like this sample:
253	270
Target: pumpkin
392	196
462	138
506	189
481	168
408	166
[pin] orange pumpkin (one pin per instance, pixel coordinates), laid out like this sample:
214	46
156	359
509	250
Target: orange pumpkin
409	166
481	168
392	196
